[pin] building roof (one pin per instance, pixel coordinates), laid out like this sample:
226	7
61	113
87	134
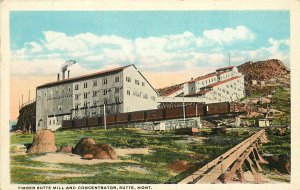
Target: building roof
84	76
204	77
225	68
170	90
223	81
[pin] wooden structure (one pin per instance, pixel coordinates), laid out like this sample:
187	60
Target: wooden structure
229	165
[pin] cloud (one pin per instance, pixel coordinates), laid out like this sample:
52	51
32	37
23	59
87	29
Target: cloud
171	53
229	35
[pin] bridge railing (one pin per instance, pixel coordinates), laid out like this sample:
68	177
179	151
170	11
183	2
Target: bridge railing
210	172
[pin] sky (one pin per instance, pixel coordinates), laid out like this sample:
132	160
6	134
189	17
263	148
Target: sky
162	44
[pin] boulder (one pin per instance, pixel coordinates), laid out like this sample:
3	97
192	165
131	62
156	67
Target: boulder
66	149
84	146
88	146
104	151
43	141
87	157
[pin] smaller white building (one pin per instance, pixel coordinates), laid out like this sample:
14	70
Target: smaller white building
226	84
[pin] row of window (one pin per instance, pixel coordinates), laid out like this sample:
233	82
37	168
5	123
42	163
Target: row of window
104	92
95	83
137	82
96	103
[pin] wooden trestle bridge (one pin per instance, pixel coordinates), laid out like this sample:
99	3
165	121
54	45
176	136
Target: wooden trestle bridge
229	165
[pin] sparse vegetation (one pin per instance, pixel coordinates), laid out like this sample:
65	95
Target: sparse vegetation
166	149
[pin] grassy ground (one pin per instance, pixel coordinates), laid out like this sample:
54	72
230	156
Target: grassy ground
151	168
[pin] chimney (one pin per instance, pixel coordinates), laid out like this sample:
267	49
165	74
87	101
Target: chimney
192	78
63	75
68	74
57	76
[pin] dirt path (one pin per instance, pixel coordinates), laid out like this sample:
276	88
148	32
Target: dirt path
56	158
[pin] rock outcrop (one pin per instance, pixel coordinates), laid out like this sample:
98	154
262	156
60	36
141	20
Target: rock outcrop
87	147
43	141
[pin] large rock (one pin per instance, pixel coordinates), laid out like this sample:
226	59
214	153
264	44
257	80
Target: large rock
66	149
104	151
88	146
84	146
43	141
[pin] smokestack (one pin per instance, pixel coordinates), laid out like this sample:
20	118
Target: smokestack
57	76
63	75
68	74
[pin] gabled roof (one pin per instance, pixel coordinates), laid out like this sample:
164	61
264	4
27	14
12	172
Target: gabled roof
74	79
204	77
225	68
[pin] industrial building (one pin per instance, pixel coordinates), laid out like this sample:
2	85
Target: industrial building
118	90
225	84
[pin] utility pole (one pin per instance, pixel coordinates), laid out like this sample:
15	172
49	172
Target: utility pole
104	114
183	107
29	96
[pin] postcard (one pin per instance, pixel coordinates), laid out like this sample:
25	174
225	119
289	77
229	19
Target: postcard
149	95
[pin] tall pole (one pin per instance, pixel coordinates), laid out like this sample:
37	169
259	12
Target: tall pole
104	113
183	107
22	99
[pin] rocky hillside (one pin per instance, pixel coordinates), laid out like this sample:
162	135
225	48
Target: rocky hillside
264	70
263	76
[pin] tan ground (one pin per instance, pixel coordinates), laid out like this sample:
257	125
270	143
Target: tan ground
76	159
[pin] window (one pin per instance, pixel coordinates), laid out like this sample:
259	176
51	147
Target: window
85	95
76	107
94	93
85	104
143	83
137	82
59	107
95	83
76	96
69	88
117	90
117	99
104	91
128	92
117	79
85	85
104	81
95	103
76	87
153	98
128	79
145	96
105	101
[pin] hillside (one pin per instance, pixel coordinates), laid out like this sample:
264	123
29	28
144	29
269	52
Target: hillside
262	76
269	70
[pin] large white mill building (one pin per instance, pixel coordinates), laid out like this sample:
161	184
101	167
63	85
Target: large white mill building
122	89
